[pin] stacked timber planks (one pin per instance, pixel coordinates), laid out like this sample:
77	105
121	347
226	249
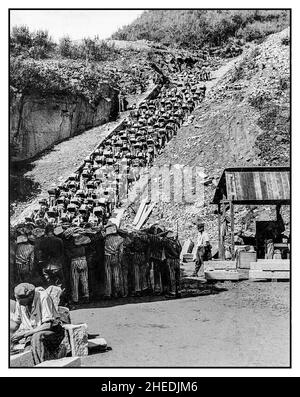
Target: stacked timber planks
270	269
186	254
145	213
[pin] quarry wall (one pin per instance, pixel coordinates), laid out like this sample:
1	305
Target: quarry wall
37	122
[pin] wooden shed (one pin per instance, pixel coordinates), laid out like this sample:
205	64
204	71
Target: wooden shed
251	186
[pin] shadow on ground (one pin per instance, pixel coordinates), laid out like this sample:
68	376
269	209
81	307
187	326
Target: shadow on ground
21	187
205	289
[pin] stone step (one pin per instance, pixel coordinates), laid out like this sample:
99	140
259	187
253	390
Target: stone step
61	363
271	265
22	360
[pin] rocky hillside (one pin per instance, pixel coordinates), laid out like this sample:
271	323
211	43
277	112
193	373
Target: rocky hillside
244	121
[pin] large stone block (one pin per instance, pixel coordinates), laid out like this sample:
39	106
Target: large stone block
38	122
61	363
22	360
269	275
222	275
271	265
219	265
78	339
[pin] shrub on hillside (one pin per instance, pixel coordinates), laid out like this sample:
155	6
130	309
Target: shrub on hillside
65	47
35	45
89	49
257	30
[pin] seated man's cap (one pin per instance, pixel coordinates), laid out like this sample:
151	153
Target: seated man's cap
24	290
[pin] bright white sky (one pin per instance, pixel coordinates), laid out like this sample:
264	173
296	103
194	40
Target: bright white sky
75	23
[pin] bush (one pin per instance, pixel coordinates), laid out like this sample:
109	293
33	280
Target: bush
257	30
20	36
35	45
89	49
65	47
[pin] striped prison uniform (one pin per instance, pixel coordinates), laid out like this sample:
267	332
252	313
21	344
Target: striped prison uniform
156	276
137	265
113	251
174	271
172	250
79	273
157	258
24	261
141	272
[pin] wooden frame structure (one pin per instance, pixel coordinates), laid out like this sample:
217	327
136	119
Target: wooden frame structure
250	186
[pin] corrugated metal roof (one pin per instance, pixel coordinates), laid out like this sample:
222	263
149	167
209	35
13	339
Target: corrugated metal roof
265	185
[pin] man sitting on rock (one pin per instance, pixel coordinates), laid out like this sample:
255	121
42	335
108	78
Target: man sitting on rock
36	322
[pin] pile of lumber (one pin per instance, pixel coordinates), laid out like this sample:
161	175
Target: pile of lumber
270	269
143	213
187	252
221	270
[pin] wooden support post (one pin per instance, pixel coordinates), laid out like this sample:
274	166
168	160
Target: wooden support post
219	233
232	228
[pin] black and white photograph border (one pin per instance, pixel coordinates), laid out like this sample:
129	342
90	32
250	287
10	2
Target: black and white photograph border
188	250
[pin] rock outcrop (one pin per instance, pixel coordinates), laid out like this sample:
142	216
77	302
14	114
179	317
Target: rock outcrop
38	122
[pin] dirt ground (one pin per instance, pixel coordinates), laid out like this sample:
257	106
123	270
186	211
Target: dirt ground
245	325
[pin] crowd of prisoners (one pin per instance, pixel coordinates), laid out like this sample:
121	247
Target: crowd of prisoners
69	240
